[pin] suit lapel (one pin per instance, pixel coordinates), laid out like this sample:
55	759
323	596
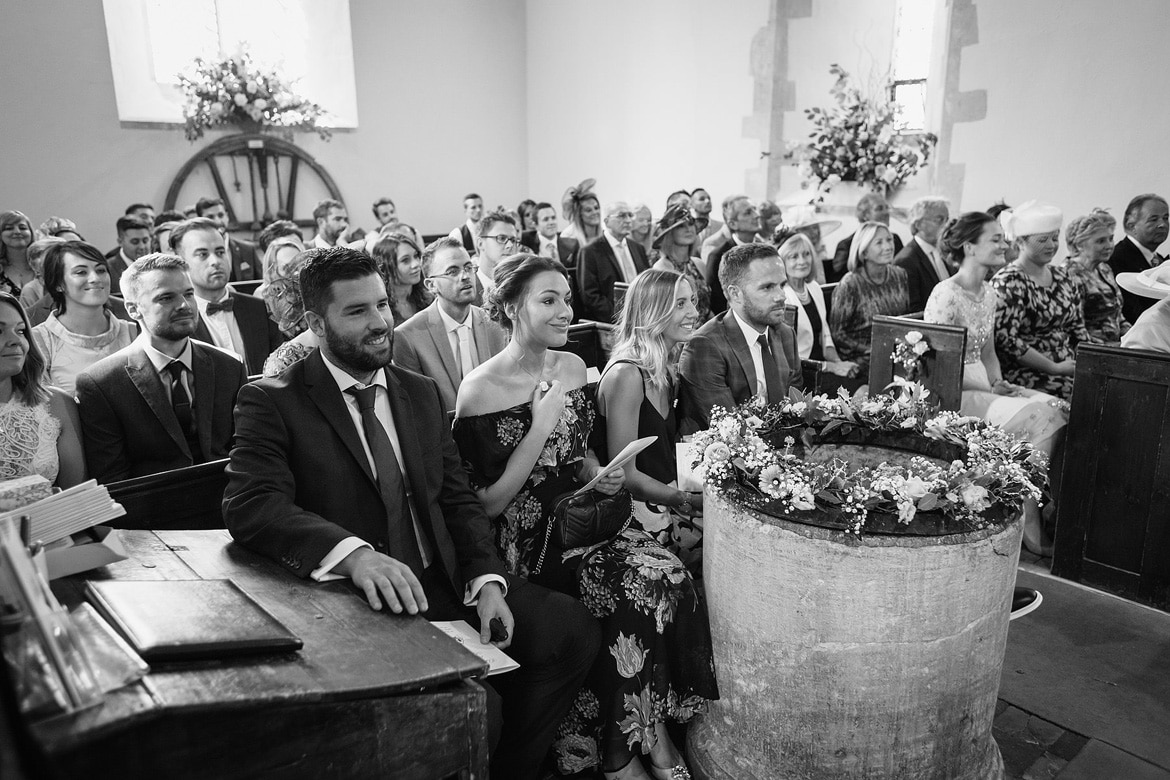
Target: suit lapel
402	410
204	395
924	259
201	331
324	393
638	253
149	384
611	256
438	331
739	346
482	328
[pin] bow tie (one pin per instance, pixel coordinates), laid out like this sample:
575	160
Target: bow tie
225	305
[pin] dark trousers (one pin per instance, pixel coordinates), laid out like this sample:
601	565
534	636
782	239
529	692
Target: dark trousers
555	641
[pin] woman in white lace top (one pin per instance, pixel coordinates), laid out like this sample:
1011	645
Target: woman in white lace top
976	242
39	425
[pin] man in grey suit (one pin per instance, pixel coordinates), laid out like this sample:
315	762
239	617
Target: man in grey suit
449	338
746	351
165	401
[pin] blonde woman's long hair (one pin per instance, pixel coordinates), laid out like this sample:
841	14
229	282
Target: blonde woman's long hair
644	317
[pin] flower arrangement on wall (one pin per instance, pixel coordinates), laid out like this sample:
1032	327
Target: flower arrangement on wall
857	140
238	91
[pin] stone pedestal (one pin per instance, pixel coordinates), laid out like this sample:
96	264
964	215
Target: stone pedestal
840	657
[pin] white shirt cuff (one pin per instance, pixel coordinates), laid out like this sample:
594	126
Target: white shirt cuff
324	570
472	595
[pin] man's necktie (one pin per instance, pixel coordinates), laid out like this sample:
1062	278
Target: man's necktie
771	370
226	304
550	250
181	403
628	269
466	356
403	541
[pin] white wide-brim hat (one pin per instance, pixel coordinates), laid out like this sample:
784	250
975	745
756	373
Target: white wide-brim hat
1150	283
1030	218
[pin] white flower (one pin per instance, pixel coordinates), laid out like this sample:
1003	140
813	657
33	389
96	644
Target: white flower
240	99
261	103
216	108
717	452
906	511
770	481
728	427
909	422
921	348
915	488
804	499
975	497
754	422
913	337
800	407
871	407
250	86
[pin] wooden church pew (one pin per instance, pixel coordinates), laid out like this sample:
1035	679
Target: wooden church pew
182	499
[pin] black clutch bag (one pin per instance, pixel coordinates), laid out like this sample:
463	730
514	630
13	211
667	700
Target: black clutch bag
586	519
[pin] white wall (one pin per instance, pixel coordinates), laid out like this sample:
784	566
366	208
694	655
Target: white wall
646	97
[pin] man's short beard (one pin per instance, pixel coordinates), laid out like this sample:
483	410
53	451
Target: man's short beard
353	356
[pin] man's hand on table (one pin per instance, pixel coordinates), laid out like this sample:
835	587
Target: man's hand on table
490	605
382	578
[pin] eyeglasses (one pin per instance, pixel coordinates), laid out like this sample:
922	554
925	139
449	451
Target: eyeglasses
505	240
623	214
457	273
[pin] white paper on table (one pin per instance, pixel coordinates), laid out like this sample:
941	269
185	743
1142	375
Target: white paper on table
688	481
461	631
622	458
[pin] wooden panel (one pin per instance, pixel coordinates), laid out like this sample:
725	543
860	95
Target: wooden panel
1113	529
942	371
177	499
585	342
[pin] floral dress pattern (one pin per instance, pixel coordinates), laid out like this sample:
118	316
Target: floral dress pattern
1046	319
855	302
656	663
1102	302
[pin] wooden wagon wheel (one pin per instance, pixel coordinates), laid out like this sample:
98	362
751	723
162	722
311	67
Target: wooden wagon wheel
264	155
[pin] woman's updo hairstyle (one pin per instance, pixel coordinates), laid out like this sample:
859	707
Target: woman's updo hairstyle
511	279
966	228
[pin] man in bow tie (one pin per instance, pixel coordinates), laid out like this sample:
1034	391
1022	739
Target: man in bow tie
229	320
1147	224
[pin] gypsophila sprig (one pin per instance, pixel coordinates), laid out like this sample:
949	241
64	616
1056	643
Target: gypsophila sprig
994	475
237	90
858	140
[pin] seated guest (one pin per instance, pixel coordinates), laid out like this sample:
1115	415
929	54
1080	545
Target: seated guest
746	351
498	238
523	422
806	220
281	228
332	223
1039	320
287	309
1090	244
582	210
636	398
32	292
143	211
164	402
814	341
1152	330
873	285
771	217
610	259
40	310
1146	223
232	321
399	261
280	255
701	206
161	231
397	517
720	235
742	226
545	240
16	234
921	259
59	227
468	232
674	239
975	243
39	427
81	330
385	212
448	339
134	241
642	229
243	263
526	215
870	208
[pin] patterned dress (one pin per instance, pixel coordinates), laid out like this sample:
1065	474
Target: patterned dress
1102	301
1046	319
691	271
28	440
656	662
855	302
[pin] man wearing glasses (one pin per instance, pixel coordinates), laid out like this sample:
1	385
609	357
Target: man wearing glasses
609	259
449	338
498	238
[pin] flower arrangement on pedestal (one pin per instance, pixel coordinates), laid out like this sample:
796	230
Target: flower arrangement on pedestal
236	90
858	140
961	472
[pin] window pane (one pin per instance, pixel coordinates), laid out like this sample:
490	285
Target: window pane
912	39
911	101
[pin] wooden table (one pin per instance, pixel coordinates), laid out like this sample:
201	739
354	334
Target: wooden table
371	694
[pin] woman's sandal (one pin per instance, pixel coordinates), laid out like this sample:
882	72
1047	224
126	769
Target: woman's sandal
676	772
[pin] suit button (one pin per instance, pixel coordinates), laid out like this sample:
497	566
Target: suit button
380	545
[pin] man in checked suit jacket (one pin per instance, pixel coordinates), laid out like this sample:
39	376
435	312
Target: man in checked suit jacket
1146	223
229	320
723	364
127	401
428	341
308	488
598	267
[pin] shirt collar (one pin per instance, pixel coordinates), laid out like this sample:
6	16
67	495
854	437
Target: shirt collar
929	248
449	323
546	241
1146	253
345	381
161	361
612	239
201	303
750	334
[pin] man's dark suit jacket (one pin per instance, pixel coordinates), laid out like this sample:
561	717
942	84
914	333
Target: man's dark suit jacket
717	370
129	426
299	481
841	257
1127	257
567	248
261	335
116	266
597	270
246	261
718	297
920	274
